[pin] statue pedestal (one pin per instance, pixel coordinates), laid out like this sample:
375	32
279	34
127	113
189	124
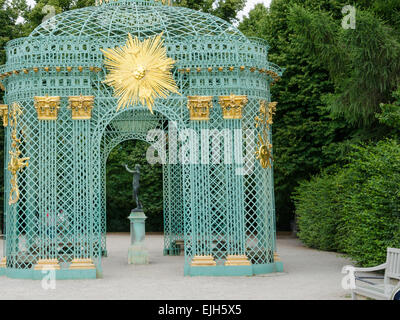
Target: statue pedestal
137	253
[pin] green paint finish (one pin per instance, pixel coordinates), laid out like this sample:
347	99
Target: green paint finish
233	270
63	274
279	266
210	207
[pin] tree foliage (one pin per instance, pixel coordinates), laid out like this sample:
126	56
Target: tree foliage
305	136
333	85
357	59
224	9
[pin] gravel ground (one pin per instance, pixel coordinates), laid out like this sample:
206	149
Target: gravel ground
309	274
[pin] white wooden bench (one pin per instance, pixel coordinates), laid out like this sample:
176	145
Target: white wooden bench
388	289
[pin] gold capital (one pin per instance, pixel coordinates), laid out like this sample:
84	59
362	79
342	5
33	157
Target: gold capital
232	106
199	107
81	107
47	107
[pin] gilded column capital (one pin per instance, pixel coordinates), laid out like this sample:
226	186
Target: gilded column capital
232	106
4	114
199	107
47	107
81	107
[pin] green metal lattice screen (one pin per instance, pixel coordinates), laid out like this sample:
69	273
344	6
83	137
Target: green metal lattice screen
61	213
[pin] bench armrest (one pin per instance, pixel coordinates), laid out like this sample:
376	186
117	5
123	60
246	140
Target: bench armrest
372	269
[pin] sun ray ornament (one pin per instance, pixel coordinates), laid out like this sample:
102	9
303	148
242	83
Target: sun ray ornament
140	72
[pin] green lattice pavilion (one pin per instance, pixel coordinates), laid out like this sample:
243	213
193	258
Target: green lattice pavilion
61	122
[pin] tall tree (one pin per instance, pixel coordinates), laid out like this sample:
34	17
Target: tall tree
358	59
224	9
305	136
325	63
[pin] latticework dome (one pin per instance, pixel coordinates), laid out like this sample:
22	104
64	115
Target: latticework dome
143	18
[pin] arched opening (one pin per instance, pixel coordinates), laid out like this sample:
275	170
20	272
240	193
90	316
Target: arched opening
119	200
126	140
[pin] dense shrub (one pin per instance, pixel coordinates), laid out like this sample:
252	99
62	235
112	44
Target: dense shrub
355	209
318	210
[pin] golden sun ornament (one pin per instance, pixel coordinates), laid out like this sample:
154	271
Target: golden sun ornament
140	72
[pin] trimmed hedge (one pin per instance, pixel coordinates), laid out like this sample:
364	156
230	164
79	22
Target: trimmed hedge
355	209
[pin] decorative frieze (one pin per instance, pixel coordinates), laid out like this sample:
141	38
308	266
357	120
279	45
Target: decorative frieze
232	106
4	114
237	260
47	107
81	107
203	261
199	107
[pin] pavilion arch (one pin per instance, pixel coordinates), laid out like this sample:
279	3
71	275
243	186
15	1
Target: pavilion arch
135	124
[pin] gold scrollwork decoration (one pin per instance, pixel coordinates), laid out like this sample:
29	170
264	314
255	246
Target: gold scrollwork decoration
4	114
47	107
264	121
232	106
199	107
81	107
17	163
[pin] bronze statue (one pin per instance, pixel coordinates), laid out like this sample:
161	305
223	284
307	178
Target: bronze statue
135	185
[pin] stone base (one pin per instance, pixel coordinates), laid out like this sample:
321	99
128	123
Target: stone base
82	264
202	261
138	255
237	260
47	264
